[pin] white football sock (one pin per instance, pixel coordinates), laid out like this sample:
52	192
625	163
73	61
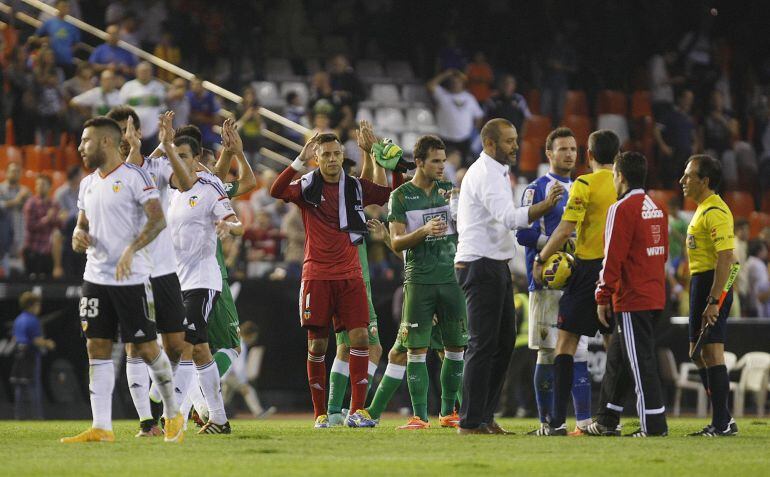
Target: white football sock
183	376
138	385
100	384
208	376
160	371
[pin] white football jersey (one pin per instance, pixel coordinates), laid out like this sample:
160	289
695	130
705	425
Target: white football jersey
114	206
162	248
191	217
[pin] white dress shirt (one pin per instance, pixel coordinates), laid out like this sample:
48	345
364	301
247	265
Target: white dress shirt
487	213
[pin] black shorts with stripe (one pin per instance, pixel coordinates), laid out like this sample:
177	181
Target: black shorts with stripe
577	306
700	287
105	309
169	307
198	304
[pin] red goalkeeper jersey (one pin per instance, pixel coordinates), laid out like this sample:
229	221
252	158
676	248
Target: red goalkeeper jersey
635	251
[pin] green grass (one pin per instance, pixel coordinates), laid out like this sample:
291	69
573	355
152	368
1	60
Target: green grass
292	447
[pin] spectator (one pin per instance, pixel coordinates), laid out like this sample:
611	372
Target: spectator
152	28
508	104
109	55
13	195
261	244
323	100
99	100
116	10
41	216
452	165
177	101
451	56
51	108
376	249
262	201
457	112
676	139
347	87
63	37
78	84
758	298
293	231
205	112
21	100
561	61
250	125
26	370
128	29
480	77
295	111
146	95
66	195
168	51
662	83
66	198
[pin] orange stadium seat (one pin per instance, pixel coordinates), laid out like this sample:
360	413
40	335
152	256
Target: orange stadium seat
537	129
37	158
576	102
529	157
641	105
612	102
581	127
71	156
9	154
741	203
757	222
661	197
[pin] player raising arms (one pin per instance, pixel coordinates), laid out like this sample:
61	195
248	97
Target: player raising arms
332	284
561	149
120	214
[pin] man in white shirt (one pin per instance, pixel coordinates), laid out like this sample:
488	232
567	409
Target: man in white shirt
458	113
98	101
485	217
120	214
147	96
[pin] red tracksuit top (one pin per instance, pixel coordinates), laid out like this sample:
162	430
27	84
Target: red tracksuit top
635	252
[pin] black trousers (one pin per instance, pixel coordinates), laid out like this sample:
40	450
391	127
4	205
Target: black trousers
631	364
491	334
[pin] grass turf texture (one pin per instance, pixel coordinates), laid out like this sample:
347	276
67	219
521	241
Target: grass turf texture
293	447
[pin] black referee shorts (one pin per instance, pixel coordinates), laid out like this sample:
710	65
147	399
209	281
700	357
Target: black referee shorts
106	308
198	304
169	307
577	306
700	287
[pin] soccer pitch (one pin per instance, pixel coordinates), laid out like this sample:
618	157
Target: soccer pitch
293	447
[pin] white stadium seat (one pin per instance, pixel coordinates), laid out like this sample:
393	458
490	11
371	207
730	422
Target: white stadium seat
267	93
615	123
416	93
408	140
389	119
385	94
365	114
420	119
297	86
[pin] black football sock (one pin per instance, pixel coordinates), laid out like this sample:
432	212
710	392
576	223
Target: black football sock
563	366
704	378
719	382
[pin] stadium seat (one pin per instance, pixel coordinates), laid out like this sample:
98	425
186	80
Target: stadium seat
576	103
533	100
611	102
581	127
385	95
278	69
365	114
757	222
267	93
662	197
297	86
420	119
741	203
529	156
71	156
537	129
641	105
36	159
685	379
399	70
369	69
9	154
615	123
755	370
408	140
416	93
389	119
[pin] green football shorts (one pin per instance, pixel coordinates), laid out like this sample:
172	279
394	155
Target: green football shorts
374	334
223	322
421	303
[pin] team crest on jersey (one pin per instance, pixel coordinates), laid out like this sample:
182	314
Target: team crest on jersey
306	314
529	196
116	186
84	324
193	201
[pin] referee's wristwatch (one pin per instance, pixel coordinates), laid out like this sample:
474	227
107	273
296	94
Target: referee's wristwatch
539	259
712	301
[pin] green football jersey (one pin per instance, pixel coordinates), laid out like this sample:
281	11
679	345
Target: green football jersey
432	261
363	257
231	188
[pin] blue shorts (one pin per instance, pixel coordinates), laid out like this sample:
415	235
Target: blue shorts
700	287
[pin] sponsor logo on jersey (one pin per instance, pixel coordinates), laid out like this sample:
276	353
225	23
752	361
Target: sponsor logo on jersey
650	210
116	186
529	196
691	241
654	251
193	201
414	197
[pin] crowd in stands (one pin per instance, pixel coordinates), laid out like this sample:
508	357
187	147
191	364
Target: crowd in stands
688	96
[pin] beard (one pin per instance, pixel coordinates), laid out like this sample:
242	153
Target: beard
96	158
504	158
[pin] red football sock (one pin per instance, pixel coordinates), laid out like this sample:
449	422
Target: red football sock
316	378
359	377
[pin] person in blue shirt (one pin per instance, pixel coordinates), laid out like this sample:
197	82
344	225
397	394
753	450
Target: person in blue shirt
109	55
561	149
25	371
63	37
204	112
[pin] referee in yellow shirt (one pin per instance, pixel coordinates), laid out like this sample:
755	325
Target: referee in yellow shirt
710	245
590	196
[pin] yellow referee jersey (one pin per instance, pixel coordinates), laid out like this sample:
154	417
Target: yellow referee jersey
589	199
710	231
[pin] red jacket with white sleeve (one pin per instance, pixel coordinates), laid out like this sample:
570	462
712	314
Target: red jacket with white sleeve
635	251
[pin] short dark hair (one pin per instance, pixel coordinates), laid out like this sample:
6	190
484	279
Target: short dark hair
633	166
28	299
755	246
556	134
291	95
122	113
491	129
605	145
327	137
190	130
195	146
708	168
105	123
424	145
45	177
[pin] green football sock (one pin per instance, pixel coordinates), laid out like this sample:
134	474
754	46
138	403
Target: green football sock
451	381
394	374
338	384
417	378
224	359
